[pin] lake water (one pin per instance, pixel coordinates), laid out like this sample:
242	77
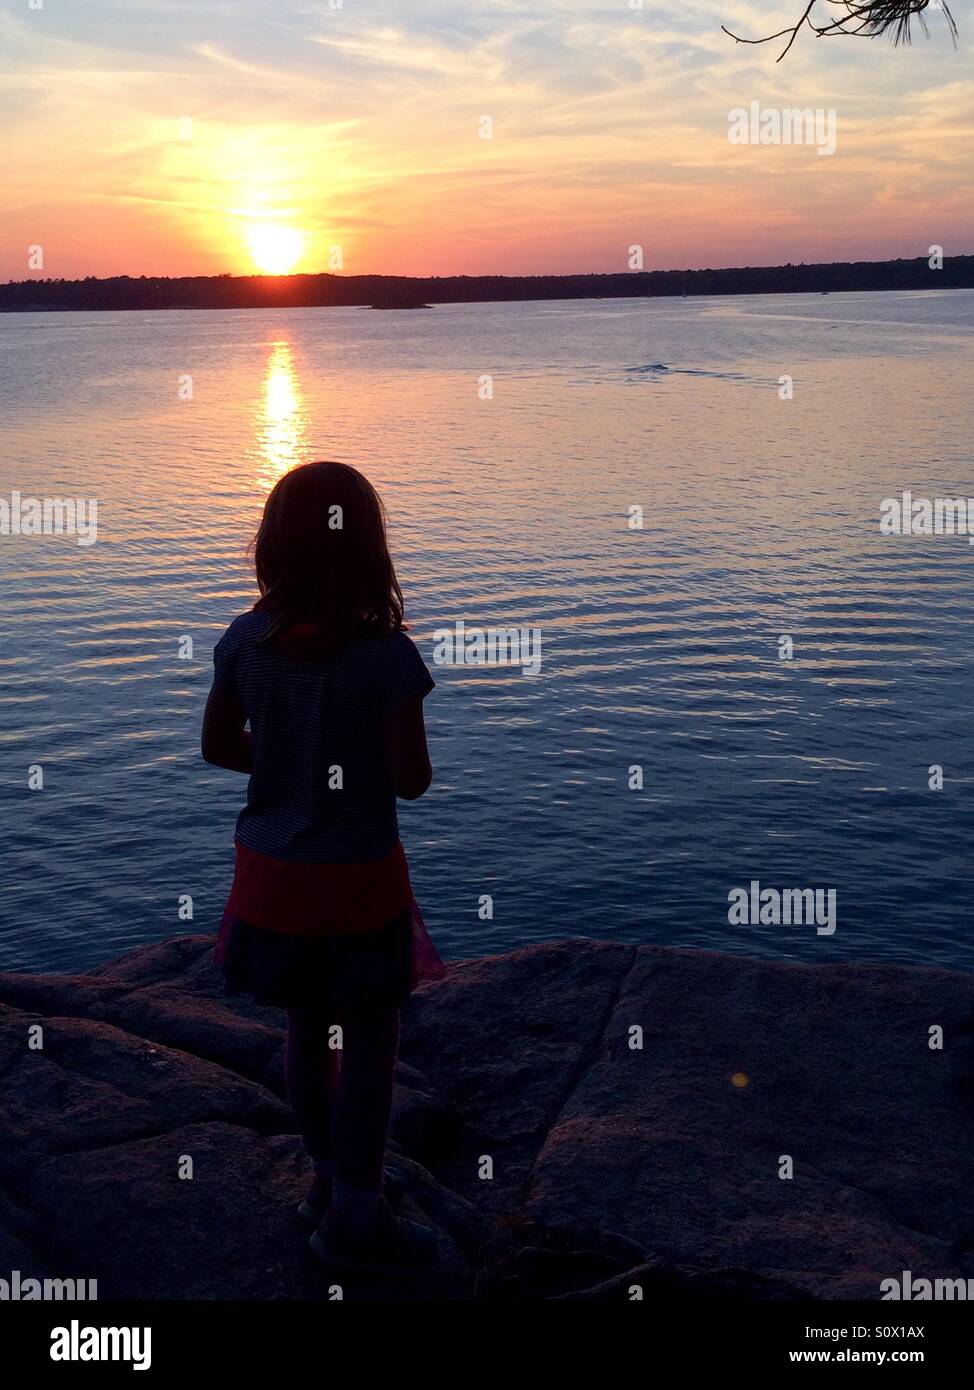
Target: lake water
660	645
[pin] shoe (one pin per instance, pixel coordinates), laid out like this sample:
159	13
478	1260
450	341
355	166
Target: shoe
390	1245
318	1200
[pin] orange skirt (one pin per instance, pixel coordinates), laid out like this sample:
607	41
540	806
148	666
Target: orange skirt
318	899
314	900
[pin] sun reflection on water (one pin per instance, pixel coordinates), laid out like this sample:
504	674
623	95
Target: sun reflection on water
281	418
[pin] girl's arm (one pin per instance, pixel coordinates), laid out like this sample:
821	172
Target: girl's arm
407	756
225	741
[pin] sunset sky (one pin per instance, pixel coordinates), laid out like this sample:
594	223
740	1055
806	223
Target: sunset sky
202	136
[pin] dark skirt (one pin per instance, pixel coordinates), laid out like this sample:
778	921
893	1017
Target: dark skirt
358	970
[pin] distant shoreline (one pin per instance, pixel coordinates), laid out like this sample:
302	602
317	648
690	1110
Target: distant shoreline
404	292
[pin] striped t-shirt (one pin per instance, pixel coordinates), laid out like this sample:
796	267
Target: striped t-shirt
319	791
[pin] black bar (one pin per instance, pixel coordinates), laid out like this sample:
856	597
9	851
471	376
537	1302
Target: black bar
692	1334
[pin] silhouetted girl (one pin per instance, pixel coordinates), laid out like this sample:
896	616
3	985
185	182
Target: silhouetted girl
320	919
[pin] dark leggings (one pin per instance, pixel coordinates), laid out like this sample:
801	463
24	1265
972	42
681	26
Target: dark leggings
342	1107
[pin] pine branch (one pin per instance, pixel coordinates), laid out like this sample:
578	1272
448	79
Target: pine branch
867	20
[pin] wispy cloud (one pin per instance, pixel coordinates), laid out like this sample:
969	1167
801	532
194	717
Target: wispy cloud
139	134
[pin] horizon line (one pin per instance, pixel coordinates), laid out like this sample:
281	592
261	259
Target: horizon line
485	275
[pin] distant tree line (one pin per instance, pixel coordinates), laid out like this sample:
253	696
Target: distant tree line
403	292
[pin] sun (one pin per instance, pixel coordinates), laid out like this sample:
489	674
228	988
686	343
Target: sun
274	247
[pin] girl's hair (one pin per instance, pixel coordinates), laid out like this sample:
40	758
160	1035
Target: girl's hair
322	559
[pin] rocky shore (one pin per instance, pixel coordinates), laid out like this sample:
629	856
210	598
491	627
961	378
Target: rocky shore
575	1118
